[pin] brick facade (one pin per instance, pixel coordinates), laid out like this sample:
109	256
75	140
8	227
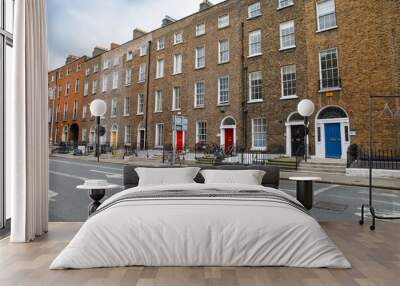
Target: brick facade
366	41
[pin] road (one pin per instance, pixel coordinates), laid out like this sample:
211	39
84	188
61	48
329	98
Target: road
332	202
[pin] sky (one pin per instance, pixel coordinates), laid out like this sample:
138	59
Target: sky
77	26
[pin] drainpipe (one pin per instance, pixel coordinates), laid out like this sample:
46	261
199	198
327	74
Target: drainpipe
147	97
244	89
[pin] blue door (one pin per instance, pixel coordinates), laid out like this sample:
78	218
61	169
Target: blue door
333	141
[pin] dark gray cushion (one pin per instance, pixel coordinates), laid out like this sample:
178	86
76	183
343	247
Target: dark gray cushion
270	179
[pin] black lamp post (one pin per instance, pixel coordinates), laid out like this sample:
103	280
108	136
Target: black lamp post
306	108
98	108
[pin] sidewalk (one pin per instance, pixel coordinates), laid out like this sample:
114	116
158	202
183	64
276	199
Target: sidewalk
328	178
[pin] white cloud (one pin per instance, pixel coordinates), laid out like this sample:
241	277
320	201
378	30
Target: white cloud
77	26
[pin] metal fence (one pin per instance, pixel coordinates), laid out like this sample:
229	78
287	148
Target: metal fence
380	159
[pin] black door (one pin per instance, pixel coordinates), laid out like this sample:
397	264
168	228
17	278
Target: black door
142	139
297	140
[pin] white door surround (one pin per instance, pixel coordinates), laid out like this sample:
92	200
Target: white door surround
227	123
321	119
292	120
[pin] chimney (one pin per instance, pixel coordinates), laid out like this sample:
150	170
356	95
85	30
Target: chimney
97	51
167	20
70	59
113	46
137	33
205	4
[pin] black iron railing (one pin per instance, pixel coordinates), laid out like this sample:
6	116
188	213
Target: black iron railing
380	159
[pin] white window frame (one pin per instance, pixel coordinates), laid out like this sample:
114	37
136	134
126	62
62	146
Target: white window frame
116	61
77	83
200	29
251	95
114	107
140	104
104	83
128	135
177	68
84	111
159	138
178	38
225	102
105	64
283	82
257	51
65	113
196	94
142	72
223	21
176	98
127	105
283	27
129	55
200	61
319	15
95	68
161	44
87	72
254	10
338	87
285	3
253	133
75	110
86	88
158	101
94	87
160	68
221	52
67	91
115	83
143	50
198	134
128	76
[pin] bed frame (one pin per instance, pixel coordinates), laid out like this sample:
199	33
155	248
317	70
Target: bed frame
270	179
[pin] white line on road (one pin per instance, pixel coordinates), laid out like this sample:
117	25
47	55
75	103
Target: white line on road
380	194
108	174
320	191
68	175
85	164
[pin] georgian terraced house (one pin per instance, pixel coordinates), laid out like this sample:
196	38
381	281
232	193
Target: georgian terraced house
237	71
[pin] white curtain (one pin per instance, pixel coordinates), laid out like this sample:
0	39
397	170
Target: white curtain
26	120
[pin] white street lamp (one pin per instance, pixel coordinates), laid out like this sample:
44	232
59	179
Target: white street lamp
305	108
98	108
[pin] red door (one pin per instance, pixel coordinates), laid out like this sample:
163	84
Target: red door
228	140
179	141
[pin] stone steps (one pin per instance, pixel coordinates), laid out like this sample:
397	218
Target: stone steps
323	167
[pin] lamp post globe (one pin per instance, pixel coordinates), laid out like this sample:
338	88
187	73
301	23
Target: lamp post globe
306	108
98	107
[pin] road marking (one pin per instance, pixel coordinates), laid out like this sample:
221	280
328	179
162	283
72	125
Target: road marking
108	174
68	175
320	191
85	164
380	194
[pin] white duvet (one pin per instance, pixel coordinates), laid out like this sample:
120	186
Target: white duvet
200	232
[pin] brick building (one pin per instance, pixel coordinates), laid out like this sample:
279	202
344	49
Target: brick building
238	69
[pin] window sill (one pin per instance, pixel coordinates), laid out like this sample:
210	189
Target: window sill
175	44
224	27
139	114
157	112
287	48
199	107
258	148
176	109
326	29
161	77
254	17
223	104
126	115
224	63
197	36
177	73
255	101
158	50
330	89
288	97
199	68
128	84
254	56
142	81
284	7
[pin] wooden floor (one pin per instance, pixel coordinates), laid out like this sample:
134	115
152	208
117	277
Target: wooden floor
375	257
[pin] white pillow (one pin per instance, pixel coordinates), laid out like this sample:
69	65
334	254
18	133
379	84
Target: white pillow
166	176
245	177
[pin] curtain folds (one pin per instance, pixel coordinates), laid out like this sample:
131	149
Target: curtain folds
26	119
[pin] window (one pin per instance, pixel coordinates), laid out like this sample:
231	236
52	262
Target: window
114	107
158	101
127	105
140	104
287	35
159	135
78	67
95	68
128	135
178	38
201	132
115	79
143	50
200	29
326	15
84	111
129	55
57	113
77	85
223	51
84	134
329	69
255	87
116	61
142	72
199	92
223	21
128	76
176	98
160	68
105	64
65	115
59	90
52	78
223	90
288	74
177	63
285	3
87	71
255	43
254	10
75	111
105	83
56	139
67	89
94	87
68	71
160	44
86	89
259	133
200	58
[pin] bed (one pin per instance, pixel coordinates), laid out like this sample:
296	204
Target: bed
197	224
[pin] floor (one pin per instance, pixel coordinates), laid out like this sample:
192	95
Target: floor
375	257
